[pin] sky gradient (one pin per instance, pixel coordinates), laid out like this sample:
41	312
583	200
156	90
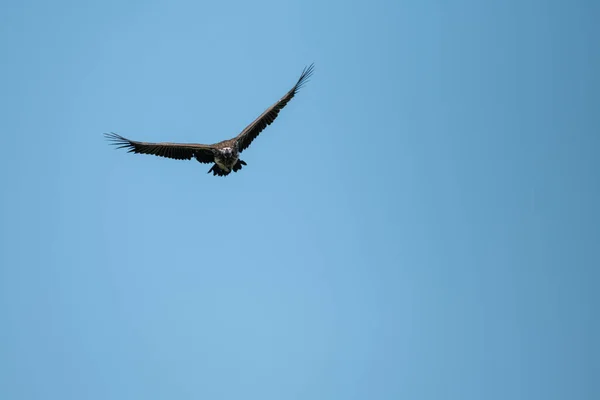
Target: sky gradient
420	222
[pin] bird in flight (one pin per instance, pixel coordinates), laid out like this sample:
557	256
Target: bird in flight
223	155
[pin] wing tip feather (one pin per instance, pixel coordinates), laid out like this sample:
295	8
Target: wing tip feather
307	73
118	140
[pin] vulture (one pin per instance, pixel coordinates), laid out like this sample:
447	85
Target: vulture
223	155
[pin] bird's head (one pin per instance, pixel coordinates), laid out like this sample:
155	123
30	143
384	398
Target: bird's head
227	152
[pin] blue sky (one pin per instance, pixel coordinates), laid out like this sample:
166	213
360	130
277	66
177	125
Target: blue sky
420	222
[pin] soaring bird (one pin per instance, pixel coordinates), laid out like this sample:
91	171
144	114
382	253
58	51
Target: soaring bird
225	154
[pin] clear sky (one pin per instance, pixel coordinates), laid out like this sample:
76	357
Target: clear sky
420	222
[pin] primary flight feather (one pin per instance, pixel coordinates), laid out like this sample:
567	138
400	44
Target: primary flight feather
225	154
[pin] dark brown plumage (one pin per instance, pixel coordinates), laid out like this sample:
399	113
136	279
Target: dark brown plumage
224	154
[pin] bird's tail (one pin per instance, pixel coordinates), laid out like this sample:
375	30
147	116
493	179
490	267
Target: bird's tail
216	170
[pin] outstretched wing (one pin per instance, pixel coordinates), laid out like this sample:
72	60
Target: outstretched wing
266	118
178	151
